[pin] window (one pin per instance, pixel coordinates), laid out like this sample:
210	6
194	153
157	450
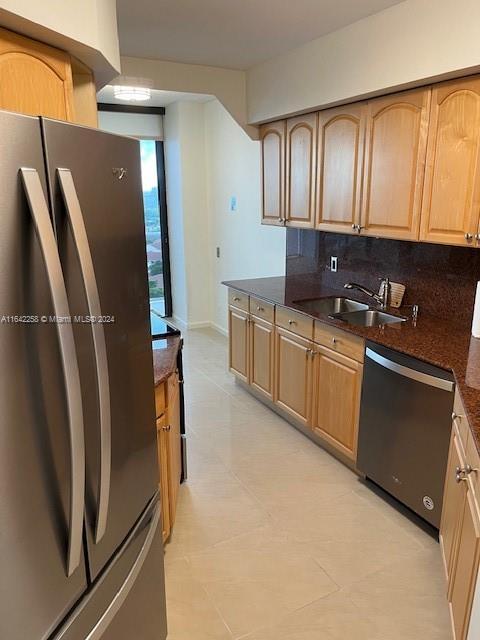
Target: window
153	184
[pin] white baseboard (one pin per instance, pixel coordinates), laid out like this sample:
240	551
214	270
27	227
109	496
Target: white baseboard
204	324
218	328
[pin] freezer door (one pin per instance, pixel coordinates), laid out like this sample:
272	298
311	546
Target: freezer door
128	600
96	193
37	503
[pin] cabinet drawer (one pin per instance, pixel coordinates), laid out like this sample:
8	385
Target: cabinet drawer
339	341
160	399
238	299
460	420
295	322
262	309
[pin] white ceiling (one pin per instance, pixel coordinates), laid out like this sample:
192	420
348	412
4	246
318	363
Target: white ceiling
158	99
235	34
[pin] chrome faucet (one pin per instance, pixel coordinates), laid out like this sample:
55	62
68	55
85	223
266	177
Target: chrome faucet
382	300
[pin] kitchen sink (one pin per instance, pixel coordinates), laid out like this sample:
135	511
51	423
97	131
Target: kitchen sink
330	306
368	318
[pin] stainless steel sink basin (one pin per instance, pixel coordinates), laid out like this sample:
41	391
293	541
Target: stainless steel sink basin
368	318
330	306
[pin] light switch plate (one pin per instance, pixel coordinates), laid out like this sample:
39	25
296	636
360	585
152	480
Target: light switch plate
333	263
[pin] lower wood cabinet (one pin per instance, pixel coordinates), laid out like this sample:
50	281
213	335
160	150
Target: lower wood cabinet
460	529
261	338
337	384
293	374
238	353
167	400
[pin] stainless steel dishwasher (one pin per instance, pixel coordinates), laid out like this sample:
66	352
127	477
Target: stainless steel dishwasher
405	426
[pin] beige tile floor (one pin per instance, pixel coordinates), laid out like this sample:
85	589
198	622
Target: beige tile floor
276	540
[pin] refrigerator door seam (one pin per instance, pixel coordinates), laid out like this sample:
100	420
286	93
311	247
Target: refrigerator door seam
44	231
77	224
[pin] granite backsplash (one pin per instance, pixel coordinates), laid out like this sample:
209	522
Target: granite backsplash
440	279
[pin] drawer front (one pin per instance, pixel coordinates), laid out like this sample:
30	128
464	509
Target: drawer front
238	299
295	322
262	309
339	341
460	420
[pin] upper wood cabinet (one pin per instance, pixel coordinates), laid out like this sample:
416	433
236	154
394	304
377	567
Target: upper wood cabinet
300	170
341	135
395	149
272	137
451	200
34	78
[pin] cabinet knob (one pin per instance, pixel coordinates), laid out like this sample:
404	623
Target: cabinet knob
334	340
354	227
260	309
477	237
468	237
236	299
290	322
359	228
167	427
462	473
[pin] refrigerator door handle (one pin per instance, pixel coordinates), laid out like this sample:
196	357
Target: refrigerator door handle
44	231
75	217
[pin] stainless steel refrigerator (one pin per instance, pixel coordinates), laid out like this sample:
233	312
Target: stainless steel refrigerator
81	554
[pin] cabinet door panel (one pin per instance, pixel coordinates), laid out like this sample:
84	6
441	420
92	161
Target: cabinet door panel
451	199
34	78
339	167
238	342
272	138
466	566
395	150
174	454
301	162
261	356
162	445
338	382
453	500
293	367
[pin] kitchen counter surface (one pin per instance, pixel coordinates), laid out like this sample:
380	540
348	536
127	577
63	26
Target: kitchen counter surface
438	341
165	352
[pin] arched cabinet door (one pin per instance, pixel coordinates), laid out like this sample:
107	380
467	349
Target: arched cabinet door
272	140
300	170
35	79
341	136
451	198
395	148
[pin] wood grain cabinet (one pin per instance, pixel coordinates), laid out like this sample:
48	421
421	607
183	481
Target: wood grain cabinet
34	78
336	399
301	159
395	149
293	374
261	347
451	200
167	403
341	136
460	526
272	140
238	351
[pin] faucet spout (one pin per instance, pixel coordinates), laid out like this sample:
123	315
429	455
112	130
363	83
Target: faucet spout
379	299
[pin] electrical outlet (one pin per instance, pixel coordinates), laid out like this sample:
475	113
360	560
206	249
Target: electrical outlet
218	252
333	263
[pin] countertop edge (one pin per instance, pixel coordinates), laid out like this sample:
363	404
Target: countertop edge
165	359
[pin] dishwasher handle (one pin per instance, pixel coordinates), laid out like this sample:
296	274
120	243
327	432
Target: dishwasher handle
407	372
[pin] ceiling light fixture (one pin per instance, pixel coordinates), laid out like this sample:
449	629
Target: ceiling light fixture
132	94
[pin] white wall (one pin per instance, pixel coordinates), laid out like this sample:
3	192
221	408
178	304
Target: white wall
228	85
188	219
138	125
405	45
247	249
85	28
209	158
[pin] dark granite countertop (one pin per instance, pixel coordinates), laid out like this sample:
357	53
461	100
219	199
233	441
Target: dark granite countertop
165	352
446	344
